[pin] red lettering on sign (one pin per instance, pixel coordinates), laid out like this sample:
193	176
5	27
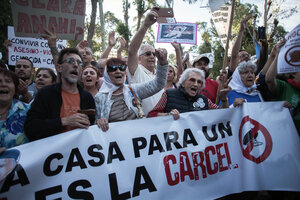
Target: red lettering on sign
53	5
200	159
168	171
38	25
65	6
22	2
62	25
210	170
37	4
24	23
79	7
72	26
184	158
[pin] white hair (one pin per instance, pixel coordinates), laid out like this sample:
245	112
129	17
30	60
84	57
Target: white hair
186	73
243	66
142	47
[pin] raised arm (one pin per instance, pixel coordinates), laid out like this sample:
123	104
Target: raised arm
121	48
111	43
272	71
137	40
51	37
178	59
269	61
144	90
263	55
234	61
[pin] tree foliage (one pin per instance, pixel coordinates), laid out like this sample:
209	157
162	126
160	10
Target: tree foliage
5	20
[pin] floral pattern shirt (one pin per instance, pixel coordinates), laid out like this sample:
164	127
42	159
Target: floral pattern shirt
11	130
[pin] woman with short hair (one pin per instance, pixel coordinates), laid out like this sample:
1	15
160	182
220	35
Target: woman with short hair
12	111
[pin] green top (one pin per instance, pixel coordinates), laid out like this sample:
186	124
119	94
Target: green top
286	92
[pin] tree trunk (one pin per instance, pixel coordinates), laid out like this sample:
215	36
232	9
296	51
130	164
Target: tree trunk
102	31
91	29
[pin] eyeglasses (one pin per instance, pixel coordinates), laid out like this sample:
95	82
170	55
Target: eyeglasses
114	68
148	53
72	61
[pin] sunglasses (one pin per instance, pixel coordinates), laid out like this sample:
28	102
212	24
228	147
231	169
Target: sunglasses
114	68
72	61
148	53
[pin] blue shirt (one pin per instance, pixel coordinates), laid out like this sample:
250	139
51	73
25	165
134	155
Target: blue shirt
11	129
232	95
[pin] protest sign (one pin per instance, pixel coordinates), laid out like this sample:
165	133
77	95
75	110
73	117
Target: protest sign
203	155
289	55
185	33
30	17
36	50
221	19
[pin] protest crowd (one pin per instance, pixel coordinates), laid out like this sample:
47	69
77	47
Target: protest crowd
82	91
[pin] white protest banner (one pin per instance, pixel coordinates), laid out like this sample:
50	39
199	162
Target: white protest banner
289	55
221	19
36	50
203	155
30	17
185	33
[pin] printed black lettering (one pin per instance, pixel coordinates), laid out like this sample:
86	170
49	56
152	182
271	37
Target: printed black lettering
114	146
96	154
138	144
46	168
155	145
75	153
138	186
75	194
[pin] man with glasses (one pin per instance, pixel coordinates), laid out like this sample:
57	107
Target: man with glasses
141	60
58	108
25	70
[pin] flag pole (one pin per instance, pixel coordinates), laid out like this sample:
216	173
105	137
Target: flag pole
226	46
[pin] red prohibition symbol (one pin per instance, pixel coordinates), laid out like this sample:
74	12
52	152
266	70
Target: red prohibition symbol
250	139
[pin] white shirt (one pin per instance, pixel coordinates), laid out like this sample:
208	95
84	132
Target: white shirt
142	75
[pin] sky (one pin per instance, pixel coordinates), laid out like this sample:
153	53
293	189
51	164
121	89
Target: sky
185	12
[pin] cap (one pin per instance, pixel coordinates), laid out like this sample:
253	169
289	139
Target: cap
201	58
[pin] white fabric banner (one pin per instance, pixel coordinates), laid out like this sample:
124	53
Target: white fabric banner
35	49
221	19
289	55
203	155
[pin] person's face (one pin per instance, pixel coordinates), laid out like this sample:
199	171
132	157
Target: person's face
89	77
147	59
7	89
244	56
171	74
117	76
248	77
24	69
43	78
192	84
70	69
86	55
203	65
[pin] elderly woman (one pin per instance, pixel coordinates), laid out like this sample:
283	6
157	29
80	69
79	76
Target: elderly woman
89	78
117	101
186	98
12	111
243	83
